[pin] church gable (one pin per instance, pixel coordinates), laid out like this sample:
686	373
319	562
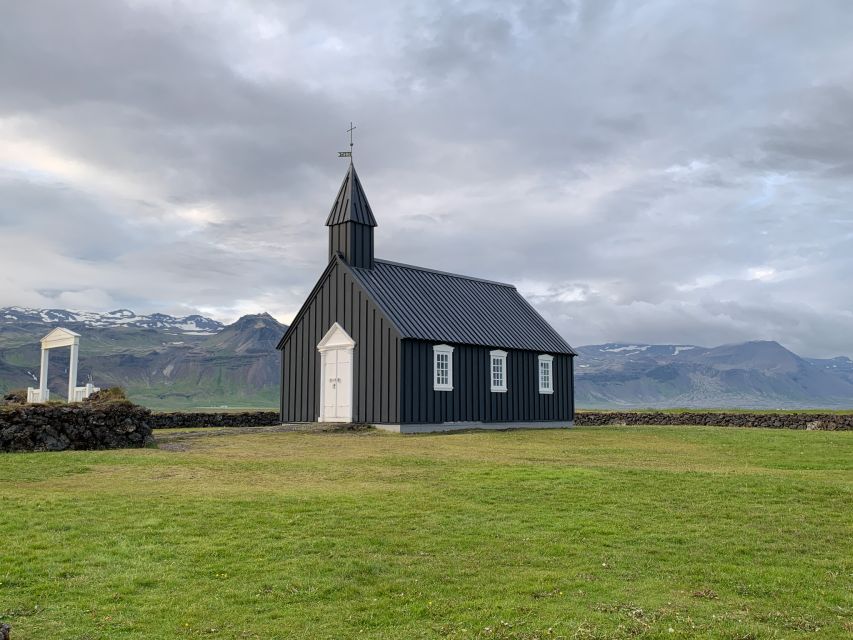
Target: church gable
339	298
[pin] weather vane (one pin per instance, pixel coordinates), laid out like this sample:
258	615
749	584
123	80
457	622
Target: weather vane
348	154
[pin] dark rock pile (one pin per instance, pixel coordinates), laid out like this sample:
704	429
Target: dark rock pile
811	421
60	427
199	420
18	396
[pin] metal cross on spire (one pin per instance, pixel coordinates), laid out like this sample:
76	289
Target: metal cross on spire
348	154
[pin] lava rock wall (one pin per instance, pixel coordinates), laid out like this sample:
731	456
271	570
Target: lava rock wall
189	420
811	421
61	427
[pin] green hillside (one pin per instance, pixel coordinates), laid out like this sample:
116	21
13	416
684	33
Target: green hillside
163	367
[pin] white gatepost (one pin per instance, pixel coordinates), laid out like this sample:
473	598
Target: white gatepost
60	337
72	371
44	394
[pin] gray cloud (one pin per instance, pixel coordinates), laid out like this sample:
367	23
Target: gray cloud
649	171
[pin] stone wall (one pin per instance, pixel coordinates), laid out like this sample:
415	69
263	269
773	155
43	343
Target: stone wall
815	421
46	427
180	419
112	426
829	422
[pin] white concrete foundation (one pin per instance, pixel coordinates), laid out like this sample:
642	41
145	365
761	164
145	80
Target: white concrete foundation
37	395
463	426
81	393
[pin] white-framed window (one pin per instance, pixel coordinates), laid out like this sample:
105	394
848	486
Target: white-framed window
497	369
546	374
442	367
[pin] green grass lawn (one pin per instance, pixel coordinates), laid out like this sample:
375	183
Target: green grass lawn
637	532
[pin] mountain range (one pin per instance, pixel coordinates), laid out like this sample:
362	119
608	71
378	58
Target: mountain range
161	360
757	374
193	361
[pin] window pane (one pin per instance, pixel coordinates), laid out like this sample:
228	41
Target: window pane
442	369
545	375
497	372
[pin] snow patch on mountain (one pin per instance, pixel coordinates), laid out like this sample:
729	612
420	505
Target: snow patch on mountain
188	325
630	347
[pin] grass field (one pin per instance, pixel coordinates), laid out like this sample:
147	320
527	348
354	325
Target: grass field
637	532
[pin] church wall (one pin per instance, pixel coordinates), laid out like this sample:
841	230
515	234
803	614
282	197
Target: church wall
472	399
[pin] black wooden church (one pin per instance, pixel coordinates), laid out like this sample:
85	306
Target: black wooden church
411	349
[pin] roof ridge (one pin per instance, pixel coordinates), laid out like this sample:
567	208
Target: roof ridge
445	273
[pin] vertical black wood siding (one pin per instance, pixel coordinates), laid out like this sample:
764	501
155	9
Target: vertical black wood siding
376	358
472	398
354	241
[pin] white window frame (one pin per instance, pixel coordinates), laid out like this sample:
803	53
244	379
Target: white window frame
443	349
499	356
549	360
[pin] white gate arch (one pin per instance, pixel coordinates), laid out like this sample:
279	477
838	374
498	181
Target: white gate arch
60	337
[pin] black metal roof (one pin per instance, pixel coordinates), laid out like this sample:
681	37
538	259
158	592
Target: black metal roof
446	307
351	205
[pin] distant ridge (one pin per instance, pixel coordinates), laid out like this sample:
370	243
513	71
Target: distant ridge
163	361
755	374
172	362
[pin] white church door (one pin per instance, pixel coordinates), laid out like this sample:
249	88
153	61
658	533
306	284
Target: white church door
336	351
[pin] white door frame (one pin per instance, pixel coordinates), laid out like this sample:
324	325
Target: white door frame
337	339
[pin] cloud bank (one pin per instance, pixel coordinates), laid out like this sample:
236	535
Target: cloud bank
644	171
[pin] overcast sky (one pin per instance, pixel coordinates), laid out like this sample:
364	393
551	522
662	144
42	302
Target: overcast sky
660	171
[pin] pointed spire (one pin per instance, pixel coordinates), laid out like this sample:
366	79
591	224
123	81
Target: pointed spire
351	205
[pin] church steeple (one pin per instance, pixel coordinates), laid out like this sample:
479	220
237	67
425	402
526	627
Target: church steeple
351	223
